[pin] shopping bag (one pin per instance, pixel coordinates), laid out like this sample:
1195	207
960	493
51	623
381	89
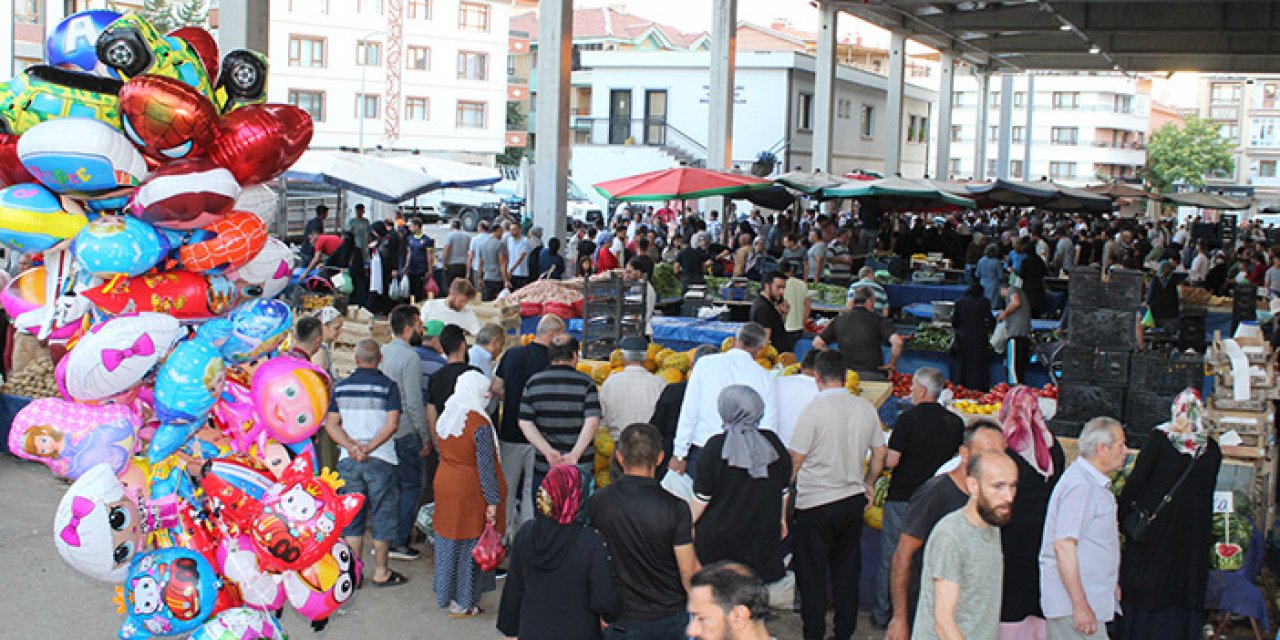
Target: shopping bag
489	552
342	282
1000	337
394	291
433	289
375	274
679	485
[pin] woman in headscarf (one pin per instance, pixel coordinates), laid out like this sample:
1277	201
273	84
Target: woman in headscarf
1040	463
1163	580
470	493
973	323
990	273
739	488
331	322
386	245
561	583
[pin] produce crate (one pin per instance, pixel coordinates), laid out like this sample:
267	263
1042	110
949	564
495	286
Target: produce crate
1099	328
1082	364
1158	372
1082	402
503	314
1145	410
613	308
1066	428
1087	290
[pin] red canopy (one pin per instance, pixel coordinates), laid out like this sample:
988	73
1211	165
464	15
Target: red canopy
683	183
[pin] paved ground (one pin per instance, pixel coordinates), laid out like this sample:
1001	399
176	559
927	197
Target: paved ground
42	597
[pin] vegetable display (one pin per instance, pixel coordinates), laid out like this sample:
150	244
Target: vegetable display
665	281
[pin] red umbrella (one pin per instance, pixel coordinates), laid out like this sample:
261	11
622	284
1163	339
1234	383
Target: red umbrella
683	183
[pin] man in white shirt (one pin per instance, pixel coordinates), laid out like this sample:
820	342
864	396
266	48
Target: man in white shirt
517	257
630	395
699	413
473	254
452	309
793	394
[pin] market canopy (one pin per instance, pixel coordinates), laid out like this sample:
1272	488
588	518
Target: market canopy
682	183
366	175
775	198
1206	201
1116	190
451	174
898	194
1044	194
807	181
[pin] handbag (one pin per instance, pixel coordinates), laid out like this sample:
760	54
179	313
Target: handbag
489	552
1136	525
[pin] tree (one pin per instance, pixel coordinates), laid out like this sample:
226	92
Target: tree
1186	154
167	15
515	122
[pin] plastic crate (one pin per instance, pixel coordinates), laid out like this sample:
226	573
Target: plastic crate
1157	372
1087	290
1144	410
1081	364
1082	402
1114	329
1066	428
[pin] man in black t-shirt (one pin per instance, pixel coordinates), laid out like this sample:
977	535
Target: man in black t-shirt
769	309
650	536
691	262
859	333
924	437
934	499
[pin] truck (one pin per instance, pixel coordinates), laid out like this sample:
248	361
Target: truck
580	204
469	205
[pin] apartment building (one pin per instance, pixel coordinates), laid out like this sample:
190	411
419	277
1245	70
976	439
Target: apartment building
1247	112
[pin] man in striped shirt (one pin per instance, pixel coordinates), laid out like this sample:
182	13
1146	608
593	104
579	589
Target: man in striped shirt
364	412
560	413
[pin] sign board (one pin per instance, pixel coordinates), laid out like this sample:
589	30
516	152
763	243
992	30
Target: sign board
1223	502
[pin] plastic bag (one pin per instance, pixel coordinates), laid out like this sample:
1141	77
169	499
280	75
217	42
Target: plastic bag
342	282
433	289
679	485
1000	337
426	521
489	552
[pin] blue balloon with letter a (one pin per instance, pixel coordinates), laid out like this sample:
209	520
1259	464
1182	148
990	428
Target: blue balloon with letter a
72	44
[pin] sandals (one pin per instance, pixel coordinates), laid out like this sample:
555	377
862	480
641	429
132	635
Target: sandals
458	613
395	579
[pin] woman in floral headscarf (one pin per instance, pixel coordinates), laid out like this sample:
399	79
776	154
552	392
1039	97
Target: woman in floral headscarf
1040	463
1163	580
560	583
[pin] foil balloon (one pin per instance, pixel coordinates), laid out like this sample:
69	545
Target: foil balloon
99	527
186	388
186	194
84	158
203	44
243	80
267	274
118	245
240	623
259	142
72	44
71	438
291	398
296	522
181	294
167	119
43	93
238	563
32	219
11	169
24	301
116	355
236	239
133	47
318	591
257	329
167	592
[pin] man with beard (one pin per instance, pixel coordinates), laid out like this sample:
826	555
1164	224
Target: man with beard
727	601
401	363
963	567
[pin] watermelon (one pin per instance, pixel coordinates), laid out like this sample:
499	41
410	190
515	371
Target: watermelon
1228	556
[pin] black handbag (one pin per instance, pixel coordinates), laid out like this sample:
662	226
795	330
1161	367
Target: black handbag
1136	525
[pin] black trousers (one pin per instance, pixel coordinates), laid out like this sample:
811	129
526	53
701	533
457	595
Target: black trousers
451	273
828	550
1017	359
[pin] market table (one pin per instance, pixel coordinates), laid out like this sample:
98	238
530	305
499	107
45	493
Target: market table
901	295
924	310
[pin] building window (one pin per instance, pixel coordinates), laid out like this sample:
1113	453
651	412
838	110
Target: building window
1263	132
953	166
1266	168
417	109
306	51
418	58
1268	100
1018	134
1229	131
27	12
310	101
1015	168
994	133
1062	170
473	17
309	6
922	132
805	115
369	54
1224	93
1064	135
473	65
367	105
1019	99
1066	99
844	109
472	115
868	128
957	99
419	9
955	132
912	123
991	168
369	6
511	65
1123	104
994	101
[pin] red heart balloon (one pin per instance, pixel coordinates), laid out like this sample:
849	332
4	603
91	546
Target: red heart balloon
11	170
259	142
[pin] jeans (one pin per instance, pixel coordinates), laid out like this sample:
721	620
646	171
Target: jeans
895	516
412	481
866	240
517	466
376	480
669	628
828	541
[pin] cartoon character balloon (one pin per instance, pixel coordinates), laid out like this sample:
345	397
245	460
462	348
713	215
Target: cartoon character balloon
240	623
116	355
72	44
269	270
181	294
296	522
257	329
231	242
72	438
318	591
83	158
167	119
167	592
118	245
238	563
290	397
32	219
187	386
186	194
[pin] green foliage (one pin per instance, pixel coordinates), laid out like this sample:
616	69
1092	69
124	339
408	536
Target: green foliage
167	15
515	122
1186	154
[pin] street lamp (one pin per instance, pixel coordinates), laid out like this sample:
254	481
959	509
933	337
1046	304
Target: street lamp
364	40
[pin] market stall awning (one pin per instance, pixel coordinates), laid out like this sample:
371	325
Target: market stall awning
450	174
898	194
775	198
366	175
1206	201
807	181
1043	194
1116	190
682	183
1072	199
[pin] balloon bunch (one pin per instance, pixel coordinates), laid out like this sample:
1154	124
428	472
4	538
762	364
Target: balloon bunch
185	432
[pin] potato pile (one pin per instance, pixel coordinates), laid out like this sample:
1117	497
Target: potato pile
36	381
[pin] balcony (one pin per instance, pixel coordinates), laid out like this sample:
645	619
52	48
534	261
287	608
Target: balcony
653	132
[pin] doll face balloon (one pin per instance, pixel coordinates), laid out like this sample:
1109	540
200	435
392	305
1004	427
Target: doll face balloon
98	527
321	589
72	438
116	355
291	398
269	270
167	592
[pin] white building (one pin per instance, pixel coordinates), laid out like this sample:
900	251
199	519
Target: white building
1084	128
648	111
1247	111
432	78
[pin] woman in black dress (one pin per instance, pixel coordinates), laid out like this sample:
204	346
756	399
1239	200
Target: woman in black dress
387	247
973	323
1040	463
1162	581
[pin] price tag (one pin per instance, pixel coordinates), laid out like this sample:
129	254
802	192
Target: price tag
1223	502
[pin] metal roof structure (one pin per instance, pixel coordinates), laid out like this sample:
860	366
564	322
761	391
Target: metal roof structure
1217	36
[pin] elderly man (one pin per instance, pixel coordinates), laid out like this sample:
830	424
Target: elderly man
490	341
630	395
699	413
1080	553
924	437
860	333
452	309
867	280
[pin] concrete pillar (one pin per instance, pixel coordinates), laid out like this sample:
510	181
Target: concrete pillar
894	102
1027	134
7	56
946	91
980	141
551	155
724	40
244	24
824	94
1005	135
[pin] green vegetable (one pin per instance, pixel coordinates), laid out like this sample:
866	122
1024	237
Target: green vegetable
665	281
932	337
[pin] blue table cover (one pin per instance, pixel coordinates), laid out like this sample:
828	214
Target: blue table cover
924	311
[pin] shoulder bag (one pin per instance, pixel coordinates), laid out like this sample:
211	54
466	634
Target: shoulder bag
1136	525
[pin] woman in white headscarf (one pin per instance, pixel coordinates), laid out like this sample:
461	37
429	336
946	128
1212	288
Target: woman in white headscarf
470	493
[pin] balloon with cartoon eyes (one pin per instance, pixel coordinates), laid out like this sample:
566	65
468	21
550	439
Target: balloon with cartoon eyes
318	591
167	119
291	397
168	592
99	527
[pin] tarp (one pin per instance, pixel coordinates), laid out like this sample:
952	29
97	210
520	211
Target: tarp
808	182
898	194
1043	194
1206	201
683	183
450	174
1116	190
363	174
